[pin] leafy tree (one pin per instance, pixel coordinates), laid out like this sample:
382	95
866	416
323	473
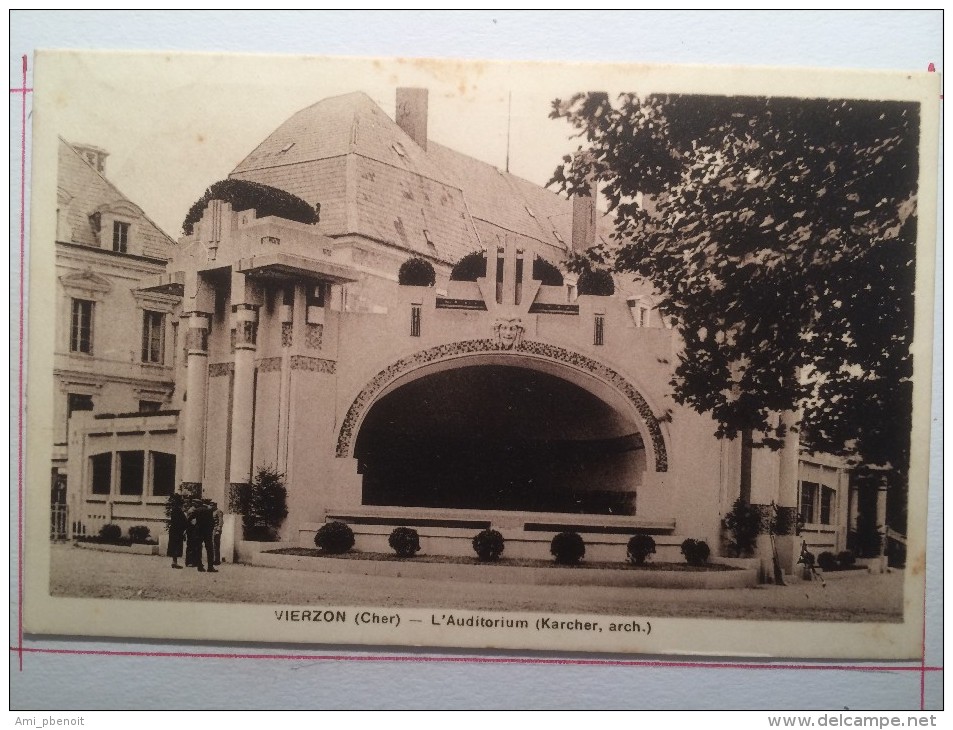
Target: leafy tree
779	234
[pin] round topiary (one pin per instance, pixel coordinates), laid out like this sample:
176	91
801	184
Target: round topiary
827	561
846	559
334	538
546	273
568	548
597	282
488	545
404	541
470	268
110	533
696	552
640	547
139	534
416	272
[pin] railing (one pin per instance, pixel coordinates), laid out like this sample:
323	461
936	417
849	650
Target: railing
59	522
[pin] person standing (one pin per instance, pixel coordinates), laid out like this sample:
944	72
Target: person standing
205	526
219	524
193	548
178	523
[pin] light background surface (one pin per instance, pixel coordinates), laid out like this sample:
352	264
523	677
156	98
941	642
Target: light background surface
869	40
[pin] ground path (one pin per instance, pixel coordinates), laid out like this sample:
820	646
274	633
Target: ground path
94	574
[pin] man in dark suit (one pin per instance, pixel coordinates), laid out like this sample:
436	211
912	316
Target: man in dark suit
205	525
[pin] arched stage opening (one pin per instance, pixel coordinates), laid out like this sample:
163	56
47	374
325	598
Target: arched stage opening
500	436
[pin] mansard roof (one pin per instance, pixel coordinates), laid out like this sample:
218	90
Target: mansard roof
85	191
372	180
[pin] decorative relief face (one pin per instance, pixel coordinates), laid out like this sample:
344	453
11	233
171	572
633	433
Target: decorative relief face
509	332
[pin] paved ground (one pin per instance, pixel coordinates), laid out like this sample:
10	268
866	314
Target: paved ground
95	574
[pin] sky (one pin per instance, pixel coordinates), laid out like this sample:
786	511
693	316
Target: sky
174	124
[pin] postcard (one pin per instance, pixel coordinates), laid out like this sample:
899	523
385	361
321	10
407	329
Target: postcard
530	356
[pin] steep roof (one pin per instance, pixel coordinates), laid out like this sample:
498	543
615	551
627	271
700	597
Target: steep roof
85	191
371	179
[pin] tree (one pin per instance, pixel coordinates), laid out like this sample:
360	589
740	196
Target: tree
264	505
779	234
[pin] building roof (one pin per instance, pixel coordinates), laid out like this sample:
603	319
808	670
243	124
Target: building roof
85	191
372	180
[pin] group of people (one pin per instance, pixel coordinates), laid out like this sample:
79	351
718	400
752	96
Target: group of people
198	524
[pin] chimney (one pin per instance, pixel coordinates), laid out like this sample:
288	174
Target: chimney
412	114
95	156
584	220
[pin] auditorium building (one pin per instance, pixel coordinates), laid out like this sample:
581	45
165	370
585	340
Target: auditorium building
506	399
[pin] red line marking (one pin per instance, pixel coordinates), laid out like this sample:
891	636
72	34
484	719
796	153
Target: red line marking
480	660
20	377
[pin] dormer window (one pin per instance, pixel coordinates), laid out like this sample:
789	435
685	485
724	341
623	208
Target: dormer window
120	236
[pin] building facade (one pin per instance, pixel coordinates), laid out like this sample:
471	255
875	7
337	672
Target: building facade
495	400
113	351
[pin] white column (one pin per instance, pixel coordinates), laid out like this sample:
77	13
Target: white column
882	514
789	459
245	317
193	422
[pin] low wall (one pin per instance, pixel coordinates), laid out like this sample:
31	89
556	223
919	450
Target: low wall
476	573
128	549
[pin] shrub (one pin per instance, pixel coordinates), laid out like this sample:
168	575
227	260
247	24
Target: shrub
488	545
546	273
470	268
846	559
334	538
696	552
244	195
139	534
568	548
743	524
827	561
416	272
404	541
110	533
640	547
473	266
597	282
264	505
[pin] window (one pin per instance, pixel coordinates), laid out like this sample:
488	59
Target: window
81	327
150	406
153	337
316	295
827	506
101	467
131	471
808	500
120	236
78	402
600	330
415	320
163	474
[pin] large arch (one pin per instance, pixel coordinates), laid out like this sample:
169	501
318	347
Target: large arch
590	374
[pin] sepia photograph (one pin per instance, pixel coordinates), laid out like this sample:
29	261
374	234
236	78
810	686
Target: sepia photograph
529	356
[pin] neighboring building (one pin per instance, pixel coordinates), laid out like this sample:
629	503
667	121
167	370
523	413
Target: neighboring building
499	401
113	351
